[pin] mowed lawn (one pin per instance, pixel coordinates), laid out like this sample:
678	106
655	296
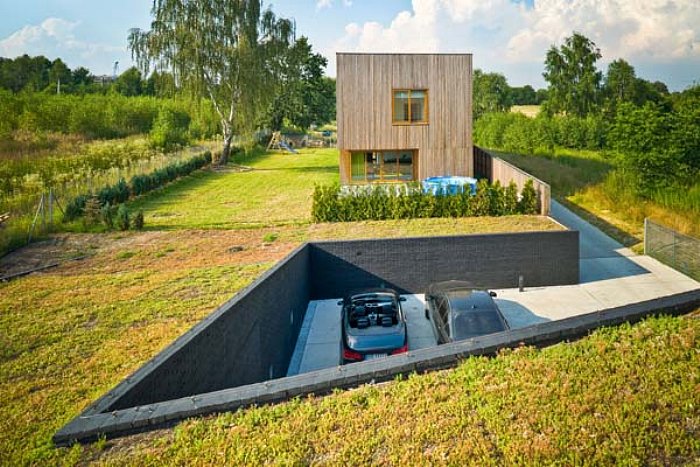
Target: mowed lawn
277	191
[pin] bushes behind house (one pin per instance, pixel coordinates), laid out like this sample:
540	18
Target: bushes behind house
381	202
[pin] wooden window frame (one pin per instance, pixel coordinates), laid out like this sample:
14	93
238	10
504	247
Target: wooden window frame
381	180
409	122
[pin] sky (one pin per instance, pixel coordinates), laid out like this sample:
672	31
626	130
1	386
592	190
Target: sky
660	38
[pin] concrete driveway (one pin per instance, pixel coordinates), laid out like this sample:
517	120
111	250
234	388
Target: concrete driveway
610	276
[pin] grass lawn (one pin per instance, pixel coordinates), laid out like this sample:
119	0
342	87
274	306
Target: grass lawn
69	334
276	192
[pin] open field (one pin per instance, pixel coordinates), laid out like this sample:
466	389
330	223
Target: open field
527	110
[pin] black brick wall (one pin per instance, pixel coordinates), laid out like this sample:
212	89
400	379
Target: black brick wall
249	339
411	264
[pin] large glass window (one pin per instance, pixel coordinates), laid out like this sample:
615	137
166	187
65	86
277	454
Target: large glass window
410	106
382	166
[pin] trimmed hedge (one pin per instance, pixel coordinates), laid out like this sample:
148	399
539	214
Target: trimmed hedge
381	202
138	185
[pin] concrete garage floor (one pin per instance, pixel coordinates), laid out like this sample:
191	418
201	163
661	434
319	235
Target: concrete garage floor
610	276
318	345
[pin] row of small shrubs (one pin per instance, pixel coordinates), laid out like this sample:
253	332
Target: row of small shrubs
380	202
111	216
120	192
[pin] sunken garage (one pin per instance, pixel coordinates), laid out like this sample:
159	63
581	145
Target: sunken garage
290	332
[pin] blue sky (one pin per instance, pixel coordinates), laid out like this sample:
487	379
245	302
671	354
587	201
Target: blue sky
661	38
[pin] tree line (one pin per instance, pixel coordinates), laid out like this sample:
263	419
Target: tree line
651	133
242	60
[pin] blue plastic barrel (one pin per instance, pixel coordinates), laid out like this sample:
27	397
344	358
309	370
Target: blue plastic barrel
451	185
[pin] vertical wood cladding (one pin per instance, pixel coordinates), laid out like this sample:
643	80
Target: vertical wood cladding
364	100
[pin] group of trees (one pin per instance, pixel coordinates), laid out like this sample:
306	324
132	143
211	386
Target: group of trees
243	58
653	133
577	87
491	93
39	74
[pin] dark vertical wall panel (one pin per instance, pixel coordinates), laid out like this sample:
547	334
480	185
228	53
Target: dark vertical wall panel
249	339
411	264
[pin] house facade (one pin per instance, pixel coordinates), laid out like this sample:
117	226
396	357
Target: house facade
404	117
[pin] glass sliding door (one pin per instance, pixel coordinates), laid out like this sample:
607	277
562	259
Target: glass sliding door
382	166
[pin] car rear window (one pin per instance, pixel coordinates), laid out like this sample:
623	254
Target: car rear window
476	323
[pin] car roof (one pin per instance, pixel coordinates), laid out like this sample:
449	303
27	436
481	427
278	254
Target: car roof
369	291
446	286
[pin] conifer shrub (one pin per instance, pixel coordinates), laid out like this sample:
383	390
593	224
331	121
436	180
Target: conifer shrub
107	212
138	220
123	220
528	203
331	203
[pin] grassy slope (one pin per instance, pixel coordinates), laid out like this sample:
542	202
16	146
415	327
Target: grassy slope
71	333
577	179
624	395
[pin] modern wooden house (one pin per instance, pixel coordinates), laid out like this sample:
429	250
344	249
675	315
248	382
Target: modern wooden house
404	117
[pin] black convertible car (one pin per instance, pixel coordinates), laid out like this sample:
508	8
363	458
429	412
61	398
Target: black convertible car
458	310
373	325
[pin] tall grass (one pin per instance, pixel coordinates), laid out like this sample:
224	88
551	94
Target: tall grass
88	170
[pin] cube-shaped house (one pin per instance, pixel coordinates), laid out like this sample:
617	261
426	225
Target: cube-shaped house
404	117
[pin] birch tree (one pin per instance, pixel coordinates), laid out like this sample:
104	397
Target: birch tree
227	51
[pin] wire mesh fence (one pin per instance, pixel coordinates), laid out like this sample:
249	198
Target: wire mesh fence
674	249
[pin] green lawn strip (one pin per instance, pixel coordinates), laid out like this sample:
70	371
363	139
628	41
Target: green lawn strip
625	395
276	192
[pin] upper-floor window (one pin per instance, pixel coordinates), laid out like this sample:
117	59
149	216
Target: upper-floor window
410	106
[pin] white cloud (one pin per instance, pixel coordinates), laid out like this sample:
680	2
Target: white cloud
321	4
56	37
513	38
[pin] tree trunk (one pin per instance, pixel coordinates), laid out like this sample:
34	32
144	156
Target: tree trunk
226	152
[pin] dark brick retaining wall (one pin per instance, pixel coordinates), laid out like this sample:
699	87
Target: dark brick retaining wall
411	264
248	339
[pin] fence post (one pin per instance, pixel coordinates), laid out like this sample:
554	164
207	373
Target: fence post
51	208
646	235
